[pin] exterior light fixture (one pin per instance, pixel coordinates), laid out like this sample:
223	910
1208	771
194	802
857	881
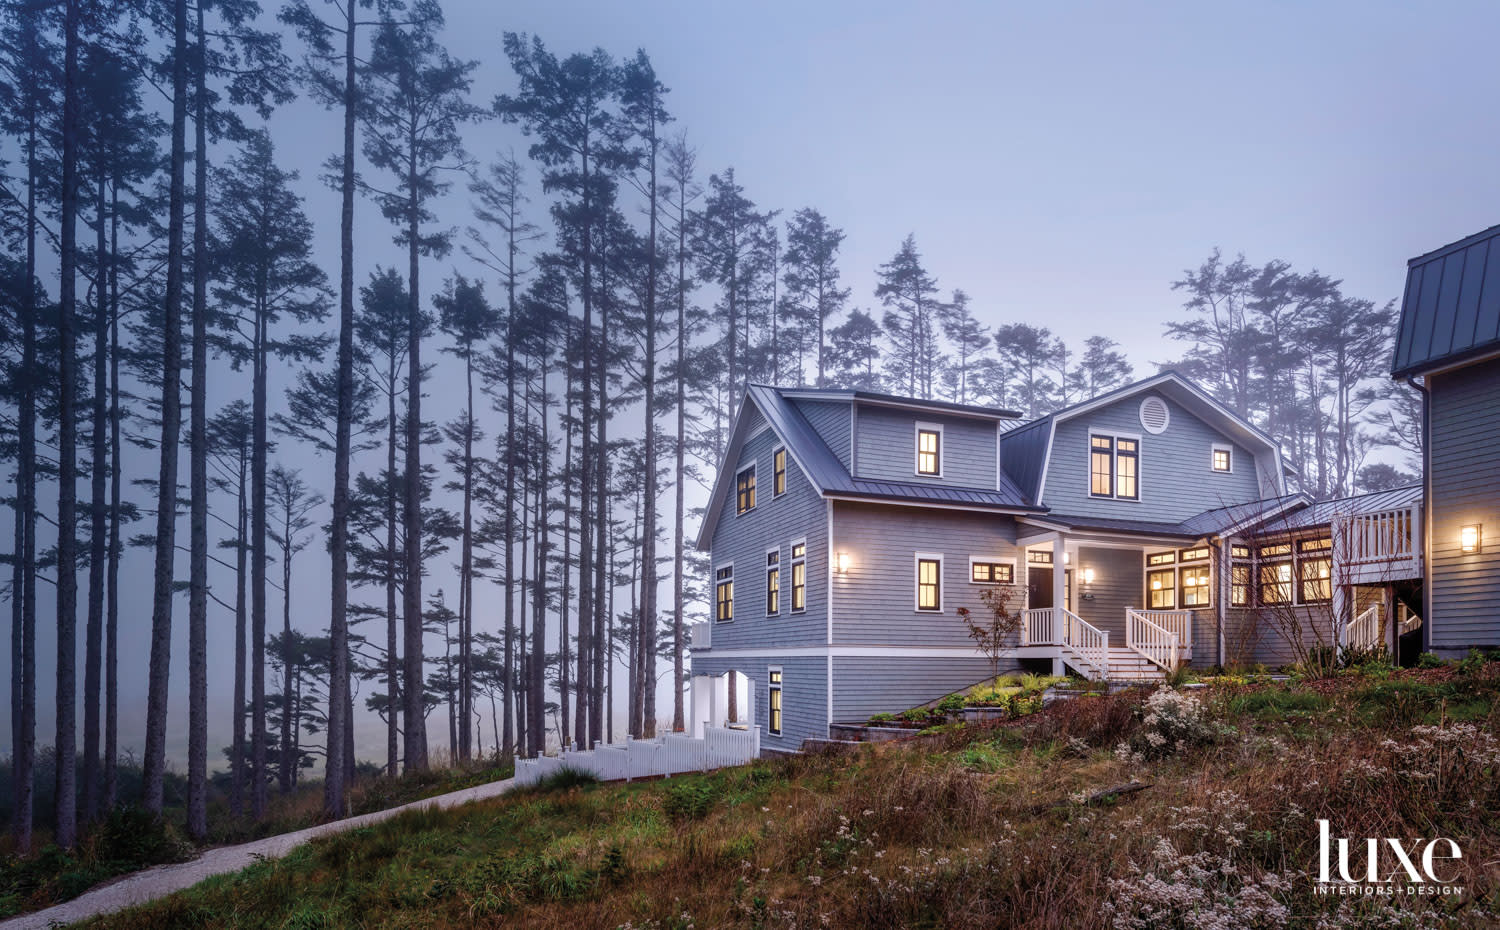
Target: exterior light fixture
841	563
1470	538
1067	557
1088	576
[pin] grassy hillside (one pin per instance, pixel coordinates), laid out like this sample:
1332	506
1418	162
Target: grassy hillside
1025	825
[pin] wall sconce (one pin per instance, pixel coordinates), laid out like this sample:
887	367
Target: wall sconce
1088	576
1470	538
841	563
1067	557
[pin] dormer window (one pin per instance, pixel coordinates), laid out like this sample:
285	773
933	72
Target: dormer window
744	491
1114	467
929	450
1222	459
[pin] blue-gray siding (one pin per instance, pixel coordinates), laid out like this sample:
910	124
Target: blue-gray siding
1119	582
1176	477
833	422
886	447
874	603
866	685
1464	600
804	694
743	540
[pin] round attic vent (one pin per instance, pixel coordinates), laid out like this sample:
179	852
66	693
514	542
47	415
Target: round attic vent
1155	415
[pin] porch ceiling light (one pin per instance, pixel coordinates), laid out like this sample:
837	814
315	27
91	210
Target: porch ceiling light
1471	537
841	563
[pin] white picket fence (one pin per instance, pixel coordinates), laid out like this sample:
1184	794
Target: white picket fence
670	754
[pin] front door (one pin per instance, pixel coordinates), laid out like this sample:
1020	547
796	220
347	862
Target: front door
1039	586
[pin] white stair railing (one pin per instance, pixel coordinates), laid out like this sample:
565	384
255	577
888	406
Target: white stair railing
1088	645
1155	643
1175	621
1365	630
1409	621
1039	627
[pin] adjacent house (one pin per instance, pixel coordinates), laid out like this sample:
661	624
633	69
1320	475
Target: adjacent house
1448	348
1144	528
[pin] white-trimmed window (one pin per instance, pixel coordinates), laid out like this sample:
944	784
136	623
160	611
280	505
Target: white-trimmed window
1161	589
744	490
1314	570
773	702
1274	570
1115	466
929	580
724	593
930	449
799	576
989	570
778	471
1240	573
773	582
1221	458
1196	588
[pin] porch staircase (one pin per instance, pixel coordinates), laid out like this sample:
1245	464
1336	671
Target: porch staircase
1126	664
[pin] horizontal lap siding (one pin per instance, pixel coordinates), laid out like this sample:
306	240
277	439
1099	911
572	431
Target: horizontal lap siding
1176	480
1117	585
804	695
886	443
866	685
875	602
744	539
1465	489
833	421
1254	637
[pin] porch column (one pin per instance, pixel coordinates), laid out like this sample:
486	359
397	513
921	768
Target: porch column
1059	574
1225	592
1343	611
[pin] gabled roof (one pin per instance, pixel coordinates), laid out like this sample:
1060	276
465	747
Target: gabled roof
827	474
894	400
1028	448
1220	521
1450	313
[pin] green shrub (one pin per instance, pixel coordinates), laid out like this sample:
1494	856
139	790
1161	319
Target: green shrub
882	717
690	799
1276	702
565	779
1430	660
950	705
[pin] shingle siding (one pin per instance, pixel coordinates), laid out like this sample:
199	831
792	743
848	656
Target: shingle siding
1176	480
875	602
886	447
866	685
743	539
804	694
833	421
1465	488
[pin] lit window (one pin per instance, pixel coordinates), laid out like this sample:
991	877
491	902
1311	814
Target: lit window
1222	458
1101	468
1039	556
1316	578
1126	459
929	584
773	685
1239	585
1240	552
778	473
1275	549
1276	583
773	582
745	491
1193	555
1195	586
929	452
724	592
992	572
1161	558
1321	544
799	576
1161	589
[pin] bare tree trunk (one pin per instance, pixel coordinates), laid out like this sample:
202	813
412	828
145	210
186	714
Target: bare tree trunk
647	618
197	793
682	167
415	731
563	657
154	762
259	750
601	515
94	631
392	647
539	598
241	619
288	771
112	603
338	684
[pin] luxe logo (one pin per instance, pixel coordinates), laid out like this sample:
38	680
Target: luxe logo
1386	862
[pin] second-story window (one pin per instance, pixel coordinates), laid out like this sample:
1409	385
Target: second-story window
1222	458
799	576
744	491
778	473
929	450
724	593
773	582
1126	473
929	582
1101	466
1114	467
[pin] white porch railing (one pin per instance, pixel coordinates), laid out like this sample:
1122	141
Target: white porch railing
670	754
1084	643
700	636
1174	621
1383	536
1156	643
1365	631
1039	627
1409	621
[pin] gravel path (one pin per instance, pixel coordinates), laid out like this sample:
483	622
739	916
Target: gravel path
158	882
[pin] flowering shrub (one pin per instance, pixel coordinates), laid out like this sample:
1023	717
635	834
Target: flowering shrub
1172	722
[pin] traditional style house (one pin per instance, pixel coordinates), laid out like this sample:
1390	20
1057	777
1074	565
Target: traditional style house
1448	348
1144	528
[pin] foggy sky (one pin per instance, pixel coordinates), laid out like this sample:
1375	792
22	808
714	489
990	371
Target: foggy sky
1062	163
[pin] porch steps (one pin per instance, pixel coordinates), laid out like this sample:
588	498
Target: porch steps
1125	664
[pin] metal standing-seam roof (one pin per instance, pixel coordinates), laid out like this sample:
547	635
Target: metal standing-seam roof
1324	512
1451	310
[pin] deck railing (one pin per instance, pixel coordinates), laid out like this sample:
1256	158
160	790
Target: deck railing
1365	631
1039	627
1175	621
1154	642
1383	536
1083	642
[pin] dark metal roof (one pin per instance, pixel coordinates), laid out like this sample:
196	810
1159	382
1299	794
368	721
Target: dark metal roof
1172	531
1324	512
1007	497
876	397
1451	309
1215	522
808	449
1023	454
